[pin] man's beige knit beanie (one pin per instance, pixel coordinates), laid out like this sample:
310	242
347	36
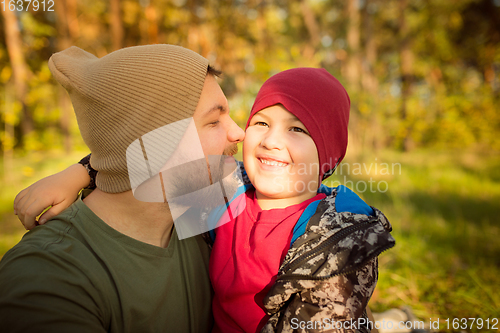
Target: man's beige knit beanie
126	94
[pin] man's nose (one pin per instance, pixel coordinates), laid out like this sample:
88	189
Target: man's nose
234	132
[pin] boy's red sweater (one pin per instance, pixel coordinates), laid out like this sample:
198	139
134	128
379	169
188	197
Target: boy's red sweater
245	260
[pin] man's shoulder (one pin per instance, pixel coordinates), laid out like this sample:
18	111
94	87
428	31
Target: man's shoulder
55	234
58	245
53	275
45	251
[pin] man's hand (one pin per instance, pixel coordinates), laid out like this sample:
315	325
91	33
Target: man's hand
53	194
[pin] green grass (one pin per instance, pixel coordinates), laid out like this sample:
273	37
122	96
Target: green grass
444	209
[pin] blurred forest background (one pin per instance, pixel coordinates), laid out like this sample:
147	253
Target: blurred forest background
424	81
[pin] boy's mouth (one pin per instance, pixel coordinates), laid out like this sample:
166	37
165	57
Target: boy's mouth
272	162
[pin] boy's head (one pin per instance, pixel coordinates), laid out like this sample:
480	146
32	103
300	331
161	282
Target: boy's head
319	101
318	109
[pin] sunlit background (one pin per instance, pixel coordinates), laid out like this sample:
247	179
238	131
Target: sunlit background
424	82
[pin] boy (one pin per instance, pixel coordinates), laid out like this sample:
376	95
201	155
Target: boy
295	257
295	137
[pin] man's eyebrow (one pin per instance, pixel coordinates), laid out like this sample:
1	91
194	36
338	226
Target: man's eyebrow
218	107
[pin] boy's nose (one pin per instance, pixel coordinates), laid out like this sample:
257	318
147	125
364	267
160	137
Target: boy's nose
272	140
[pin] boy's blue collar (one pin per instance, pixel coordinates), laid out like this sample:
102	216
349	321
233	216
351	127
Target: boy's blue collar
325	189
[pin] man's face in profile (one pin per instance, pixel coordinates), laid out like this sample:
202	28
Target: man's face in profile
201	157
201	173
218	133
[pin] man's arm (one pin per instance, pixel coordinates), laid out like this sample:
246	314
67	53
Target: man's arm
45	292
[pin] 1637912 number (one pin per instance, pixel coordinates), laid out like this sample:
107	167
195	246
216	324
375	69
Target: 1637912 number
26	5
472	323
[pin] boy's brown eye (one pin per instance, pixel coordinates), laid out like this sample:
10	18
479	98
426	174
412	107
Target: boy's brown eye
298	129
260	123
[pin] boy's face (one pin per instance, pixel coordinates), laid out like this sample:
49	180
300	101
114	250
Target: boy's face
280	158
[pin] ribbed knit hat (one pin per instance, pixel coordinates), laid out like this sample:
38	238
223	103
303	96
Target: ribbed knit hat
320	102
126	94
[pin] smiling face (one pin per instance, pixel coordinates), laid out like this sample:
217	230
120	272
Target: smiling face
280	158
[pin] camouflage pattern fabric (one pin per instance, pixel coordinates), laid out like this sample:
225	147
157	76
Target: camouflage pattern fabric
329	273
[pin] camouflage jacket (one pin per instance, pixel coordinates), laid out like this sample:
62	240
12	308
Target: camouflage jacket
329	273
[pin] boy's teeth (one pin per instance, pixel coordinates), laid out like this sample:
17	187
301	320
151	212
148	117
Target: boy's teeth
273	163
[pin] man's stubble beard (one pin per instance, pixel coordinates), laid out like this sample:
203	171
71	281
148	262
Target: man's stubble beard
231	150
204	183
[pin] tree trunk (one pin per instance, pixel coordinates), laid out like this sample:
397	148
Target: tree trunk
265	40
68	29
353	42
406	65
20	70
63	36
152	24
72	19
116	25
9	136
312	28
194	29
369	80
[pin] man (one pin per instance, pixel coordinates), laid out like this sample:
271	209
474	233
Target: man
110	262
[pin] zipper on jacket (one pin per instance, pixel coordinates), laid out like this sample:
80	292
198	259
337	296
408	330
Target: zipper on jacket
327	243
316	278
